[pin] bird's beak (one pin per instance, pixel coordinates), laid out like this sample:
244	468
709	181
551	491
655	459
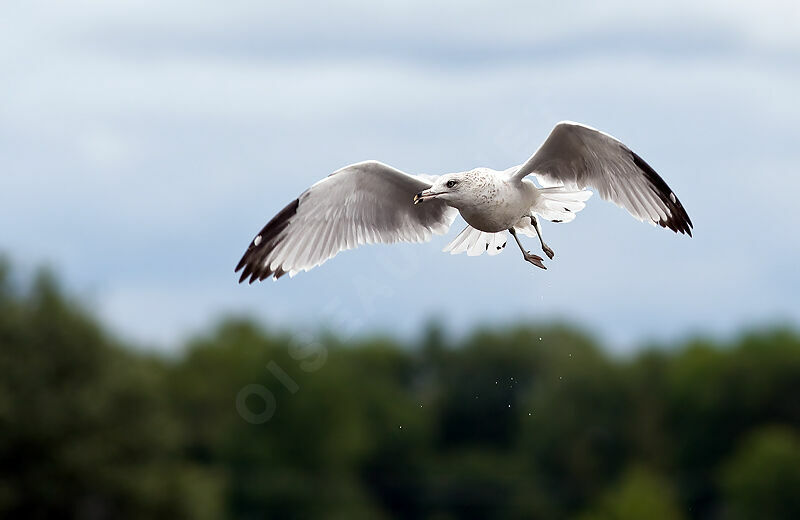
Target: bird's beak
423	195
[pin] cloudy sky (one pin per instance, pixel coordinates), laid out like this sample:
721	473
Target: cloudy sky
144	143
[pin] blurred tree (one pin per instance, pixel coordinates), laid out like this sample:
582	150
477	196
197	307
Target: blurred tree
716	394
485	380
648	420
525	422
576	436
475	484
83	427
639	494
762	478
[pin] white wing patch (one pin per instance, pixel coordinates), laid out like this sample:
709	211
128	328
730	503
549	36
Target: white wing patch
560	205
475	242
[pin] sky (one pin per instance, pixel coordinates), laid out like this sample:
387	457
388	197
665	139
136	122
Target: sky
144	143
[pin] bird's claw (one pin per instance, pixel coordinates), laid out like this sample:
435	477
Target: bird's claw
534	259
549	252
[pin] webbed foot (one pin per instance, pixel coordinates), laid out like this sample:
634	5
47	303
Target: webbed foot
534	259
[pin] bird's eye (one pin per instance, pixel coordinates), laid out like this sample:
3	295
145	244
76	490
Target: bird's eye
451	184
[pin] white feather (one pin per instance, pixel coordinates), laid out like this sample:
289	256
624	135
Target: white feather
475	242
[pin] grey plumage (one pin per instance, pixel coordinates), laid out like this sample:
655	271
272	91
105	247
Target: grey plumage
577	156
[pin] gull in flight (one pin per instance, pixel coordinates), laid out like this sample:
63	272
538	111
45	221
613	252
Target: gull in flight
370	202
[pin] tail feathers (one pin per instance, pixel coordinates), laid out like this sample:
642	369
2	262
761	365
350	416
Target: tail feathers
475	242
558	205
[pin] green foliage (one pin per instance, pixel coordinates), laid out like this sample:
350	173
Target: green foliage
85	429
762	479
716	394
531	422
640	494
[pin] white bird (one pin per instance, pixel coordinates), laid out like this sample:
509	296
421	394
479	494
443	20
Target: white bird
370	202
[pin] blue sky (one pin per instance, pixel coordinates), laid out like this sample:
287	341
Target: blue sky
142	144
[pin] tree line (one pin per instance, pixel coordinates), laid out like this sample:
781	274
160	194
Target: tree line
535	421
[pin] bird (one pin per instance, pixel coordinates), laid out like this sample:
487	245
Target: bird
370	202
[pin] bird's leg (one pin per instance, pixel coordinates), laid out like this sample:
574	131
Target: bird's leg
527	255
549	252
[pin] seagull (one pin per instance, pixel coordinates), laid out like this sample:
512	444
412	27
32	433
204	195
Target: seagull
370	202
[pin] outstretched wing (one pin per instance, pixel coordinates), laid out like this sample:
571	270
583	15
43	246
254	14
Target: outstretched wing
577	156
364	203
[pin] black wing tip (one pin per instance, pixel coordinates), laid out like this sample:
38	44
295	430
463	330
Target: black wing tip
678	220
677	226
252	263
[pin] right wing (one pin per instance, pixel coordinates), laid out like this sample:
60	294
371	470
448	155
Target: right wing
364	203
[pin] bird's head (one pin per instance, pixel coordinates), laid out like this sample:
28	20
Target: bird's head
453	188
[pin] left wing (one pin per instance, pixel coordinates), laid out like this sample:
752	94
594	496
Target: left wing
577	157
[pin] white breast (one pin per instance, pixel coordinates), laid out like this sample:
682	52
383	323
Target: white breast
498	204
